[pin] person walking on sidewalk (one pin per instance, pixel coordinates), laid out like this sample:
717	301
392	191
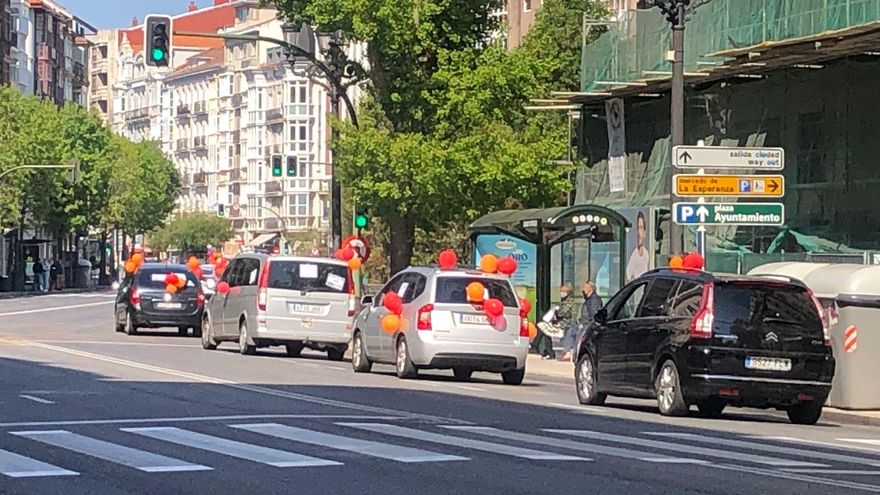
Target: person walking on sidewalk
592	304
57	274
39	269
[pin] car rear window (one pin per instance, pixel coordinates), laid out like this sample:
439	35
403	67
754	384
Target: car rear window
453	290
308	276
786	309
152	278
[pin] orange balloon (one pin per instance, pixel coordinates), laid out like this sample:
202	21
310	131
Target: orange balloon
130	266
391	323
476	292
171	288
489	263
676	262
533	330
137	258
193	263
355	264
181	282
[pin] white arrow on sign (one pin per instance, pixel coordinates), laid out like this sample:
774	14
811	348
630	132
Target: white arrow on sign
702	212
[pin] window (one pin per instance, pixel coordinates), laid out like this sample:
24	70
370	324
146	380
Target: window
309	276
453	290
302	205
628	308
303	133
303	94
527	5
392	286
659	298
687	300
743	309
242	13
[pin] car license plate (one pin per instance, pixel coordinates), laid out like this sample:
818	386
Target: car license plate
475	319
768	364
304	308
168	305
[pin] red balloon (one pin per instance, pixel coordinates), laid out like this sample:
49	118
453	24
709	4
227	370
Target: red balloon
171	279
393	303
507	265
448	259
199	273
223	288
693	261
347	253
493	307
525	305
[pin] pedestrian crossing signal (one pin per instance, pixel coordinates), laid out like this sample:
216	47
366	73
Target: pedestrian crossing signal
276	166
361	221
291	166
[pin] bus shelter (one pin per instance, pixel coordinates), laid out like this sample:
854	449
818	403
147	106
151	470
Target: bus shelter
544	228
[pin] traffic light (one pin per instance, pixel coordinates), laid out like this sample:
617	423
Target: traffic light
361	221
221	210
291	166
157	37
276	166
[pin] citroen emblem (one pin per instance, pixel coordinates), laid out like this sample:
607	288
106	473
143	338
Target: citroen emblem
771	337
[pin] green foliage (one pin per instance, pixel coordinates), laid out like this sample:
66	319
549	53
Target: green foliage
192	233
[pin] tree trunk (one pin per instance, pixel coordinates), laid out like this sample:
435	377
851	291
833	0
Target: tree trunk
401	241
103	273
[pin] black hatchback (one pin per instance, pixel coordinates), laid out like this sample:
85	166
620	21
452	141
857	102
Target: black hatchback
687	337
142	301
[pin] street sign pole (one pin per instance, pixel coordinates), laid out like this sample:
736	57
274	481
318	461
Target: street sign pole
701	241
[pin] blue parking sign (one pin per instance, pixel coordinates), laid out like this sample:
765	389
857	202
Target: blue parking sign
745	185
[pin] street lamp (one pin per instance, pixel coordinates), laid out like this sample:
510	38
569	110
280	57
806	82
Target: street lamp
341	73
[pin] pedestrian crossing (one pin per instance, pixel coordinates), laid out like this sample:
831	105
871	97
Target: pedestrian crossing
194	448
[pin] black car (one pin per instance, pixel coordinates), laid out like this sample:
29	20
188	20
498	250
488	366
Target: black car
687	337
142	301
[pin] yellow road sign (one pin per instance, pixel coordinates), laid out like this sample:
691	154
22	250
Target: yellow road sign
731	186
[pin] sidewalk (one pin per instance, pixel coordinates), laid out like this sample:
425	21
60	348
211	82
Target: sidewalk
18	295
565	371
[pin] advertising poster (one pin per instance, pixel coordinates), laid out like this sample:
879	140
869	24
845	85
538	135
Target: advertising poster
525	254
639	242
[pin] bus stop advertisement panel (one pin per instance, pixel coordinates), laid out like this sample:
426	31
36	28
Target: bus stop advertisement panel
524	280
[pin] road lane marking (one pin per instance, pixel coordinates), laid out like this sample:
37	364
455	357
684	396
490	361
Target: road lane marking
832	471
849	448
580	446
798	477
249	388
36	399
689	449
425	436
110	342
111	452
241	450
57	308
578	408
864	441
19	466
366	447
776	449
192	419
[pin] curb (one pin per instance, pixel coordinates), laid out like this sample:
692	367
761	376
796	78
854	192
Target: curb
30	295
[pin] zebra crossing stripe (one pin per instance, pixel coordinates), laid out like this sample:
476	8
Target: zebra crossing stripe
19	466
241	450
468	443
366	447
120	454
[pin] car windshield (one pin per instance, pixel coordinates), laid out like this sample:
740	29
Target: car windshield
154	278
308	276
453	290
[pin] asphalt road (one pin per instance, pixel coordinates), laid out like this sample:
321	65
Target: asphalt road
84	410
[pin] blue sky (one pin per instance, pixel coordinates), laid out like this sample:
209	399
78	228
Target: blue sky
118	13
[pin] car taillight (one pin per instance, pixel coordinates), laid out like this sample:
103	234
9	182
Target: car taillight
523	323
200	298
352	300
826	327
701	325
424	317
135	296
263	295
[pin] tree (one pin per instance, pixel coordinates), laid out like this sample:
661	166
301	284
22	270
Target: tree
192	233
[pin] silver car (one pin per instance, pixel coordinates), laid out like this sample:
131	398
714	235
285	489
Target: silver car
296	302
440	329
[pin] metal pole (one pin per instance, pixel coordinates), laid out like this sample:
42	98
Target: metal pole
335	186
677	114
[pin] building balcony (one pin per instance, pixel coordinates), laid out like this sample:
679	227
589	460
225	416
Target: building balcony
200	108
181	144
238	176
275	188
138	114
200	143
275	116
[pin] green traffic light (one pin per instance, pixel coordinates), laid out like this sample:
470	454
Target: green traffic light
158	54
361	221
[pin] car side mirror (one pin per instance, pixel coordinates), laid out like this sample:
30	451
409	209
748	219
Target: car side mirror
367	300
601	316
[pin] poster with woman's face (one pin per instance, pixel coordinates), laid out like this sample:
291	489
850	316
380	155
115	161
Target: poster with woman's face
639	242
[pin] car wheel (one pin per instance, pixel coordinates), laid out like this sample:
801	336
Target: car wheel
711	408
586	384
335	353
513	377
360	363
130	327
208	342
294	349
404	365
669	396
462	374
120	327
243	346
805	414
183	331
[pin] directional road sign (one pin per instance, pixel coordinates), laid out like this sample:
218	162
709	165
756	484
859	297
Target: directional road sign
734	186
729	213
723	157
